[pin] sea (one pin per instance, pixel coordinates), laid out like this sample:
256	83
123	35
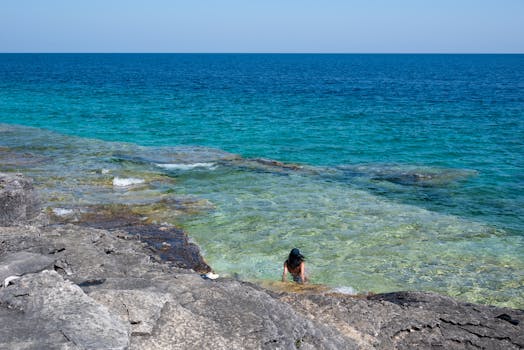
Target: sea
388	171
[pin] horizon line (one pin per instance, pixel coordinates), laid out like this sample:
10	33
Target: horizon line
261	52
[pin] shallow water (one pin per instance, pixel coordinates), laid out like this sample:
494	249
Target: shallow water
246	214
400	171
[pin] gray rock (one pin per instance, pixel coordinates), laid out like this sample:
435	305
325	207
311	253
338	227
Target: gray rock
421	320
18	200
170	243
163	307
437	319
21	263
19	332
140	308
232	315
63	308
126	297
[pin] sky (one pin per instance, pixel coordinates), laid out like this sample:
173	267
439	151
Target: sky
341	26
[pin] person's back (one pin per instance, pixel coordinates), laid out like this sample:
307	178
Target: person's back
296	266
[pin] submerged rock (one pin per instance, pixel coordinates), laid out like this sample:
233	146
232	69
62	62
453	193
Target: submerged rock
408	175
12	160
267	166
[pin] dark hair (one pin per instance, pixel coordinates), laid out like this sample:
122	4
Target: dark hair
295	258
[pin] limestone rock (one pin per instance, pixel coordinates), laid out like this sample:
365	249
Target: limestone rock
19	332
140	308
233	315
63	308
18	200
21	263
415	320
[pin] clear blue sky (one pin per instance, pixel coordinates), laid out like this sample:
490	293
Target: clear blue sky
262	26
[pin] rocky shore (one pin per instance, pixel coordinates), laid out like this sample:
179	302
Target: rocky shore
99	286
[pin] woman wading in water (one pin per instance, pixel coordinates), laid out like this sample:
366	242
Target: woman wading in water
296	266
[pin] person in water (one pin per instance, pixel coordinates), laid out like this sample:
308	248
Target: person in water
296	266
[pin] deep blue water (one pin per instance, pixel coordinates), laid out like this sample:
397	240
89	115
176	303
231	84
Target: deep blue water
403	153
458	111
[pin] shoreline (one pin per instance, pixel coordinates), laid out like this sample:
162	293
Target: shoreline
90	288
280	204
174	247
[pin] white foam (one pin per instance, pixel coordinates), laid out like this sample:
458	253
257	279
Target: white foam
125	182
345	290
62	211
190	166
106	171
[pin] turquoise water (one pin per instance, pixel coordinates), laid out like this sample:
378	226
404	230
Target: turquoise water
409	168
